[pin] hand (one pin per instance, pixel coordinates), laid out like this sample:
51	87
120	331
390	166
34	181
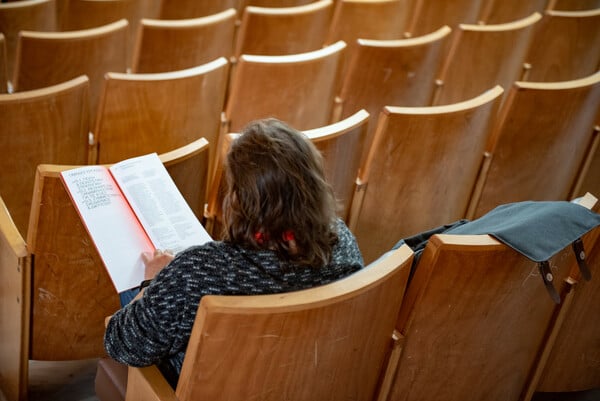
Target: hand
155	262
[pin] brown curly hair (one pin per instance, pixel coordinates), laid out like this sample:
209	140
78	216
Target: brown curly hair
277	197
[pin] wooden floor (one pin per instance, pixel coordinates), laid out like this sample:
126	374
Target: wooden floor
62	381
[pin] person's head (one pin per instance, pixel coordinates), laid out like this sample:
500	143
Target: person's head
277	197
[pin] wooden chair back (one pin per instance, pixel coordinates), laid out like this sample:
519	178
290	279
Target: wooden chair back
539	143
188	9
474	321
284	30
3	73
400	72
588	179
199	41
574	349
421	170
430	15
573	5
272	3
505	11
145	113
31	15
299	89
319	335
15	262
47	125
564	46
341	146
369	19
48	58
482	56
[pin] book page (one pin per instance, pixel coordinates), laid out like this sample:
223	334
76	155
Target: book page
158	204
116	232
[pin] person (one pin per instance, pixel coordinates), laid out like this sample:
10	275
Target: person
281	234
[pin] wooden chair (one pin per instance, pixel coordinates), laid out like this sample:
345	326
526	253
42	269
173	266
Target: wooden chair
199	41
572	353
369	19
47	125
339	143
53	274
420	170
482	56
33	15
474	321
400	72
284	30
299	89
564	46
3	73
145	113
505	11
239	344
188	9
48	58
539	143
429	15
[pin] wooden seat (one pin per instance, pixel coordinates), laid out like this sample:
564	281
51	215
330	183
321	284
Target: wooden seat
369	19
47	125
540	142
473	321
54	273
588	179
482	56
573	351
305	345
400	72
32	15
48	58
340	144
145	113
188	9
505	11
3	73
420	171
284	30
199	41
299	89
564	46
429	15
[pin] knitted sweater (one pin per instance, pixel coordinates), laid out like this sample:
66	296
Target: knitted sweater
156	328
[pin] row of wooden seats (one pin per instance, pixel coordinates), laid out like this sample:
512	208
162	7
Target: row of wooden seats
307	28
498	314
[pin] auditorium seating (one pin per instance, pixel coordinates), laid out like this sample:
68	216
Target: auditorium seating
474	321
401	72
564	46
310	82
429	15
48	125
187	9
145	113
323	343
420	170
31	15
482	56
56	293
48	58
199	41
283	30
542	138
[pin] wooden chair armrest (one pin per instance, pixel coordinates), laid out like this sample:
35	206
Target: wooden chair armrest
148	384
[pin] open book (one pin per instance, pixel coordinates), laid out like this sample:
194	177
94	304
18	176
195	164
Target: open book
132	207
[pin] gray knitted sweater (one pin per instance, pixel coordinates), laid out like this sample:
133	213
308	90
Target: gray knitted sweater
156	328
